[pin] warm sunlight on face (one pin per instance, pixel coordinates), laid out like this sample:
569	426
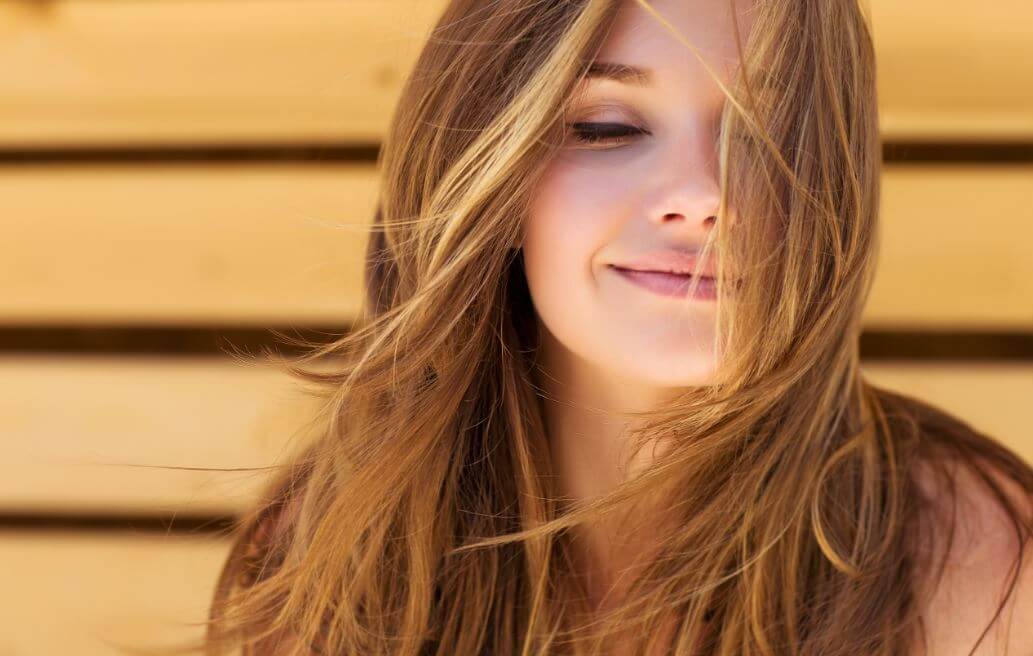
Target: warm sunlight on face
636	187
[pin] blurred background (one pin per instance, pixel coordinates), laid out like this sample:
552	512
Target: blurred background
179	176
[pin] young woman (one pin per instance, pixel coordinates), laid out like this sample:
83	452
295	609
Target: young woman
604	396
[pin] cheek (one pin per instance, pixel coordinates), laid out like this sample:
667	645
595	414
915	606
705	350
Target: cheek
571	220
575	213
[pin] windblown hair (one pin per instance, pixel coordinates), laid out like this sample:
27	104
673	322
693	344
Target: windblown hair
425	519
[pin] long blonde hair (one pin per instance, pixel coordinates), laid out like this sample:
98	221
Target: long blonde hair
424	519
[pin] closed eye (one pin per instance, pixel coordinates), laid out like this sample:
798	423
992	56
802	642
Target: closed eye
604	133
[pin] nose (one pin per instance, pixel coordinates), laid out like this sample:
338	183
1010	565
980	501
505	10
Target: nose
686	192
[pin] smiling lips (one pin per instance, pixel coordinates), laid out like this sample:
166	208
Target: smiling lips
668	272
670	284
669	260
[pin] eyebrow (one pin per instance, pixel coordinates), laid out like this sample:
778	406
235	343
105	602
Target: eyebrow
618	73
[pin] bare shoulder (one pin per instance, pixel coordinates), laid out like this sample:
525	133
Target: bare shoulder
983	552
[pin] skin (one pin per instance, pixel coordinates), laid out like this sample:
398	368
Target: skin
609	347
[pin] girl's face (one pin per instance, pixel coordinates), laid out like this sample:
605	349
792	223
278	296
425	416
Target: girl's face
635	186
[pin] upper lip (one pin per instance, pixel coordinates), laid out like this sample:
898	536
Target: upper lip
670	261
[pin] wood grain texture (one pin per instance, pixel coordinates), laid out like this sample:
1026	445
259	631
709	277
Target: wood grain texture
253	244
192	71
94	434
89	72
955	248
87	594
953	70
70	427
285	244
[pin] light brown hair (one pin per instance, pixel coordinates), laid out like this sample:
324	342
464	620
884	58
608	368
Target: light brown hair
424	519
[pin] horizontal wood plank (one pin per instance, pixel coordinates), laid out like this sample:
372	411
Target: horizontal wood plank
284	244
99	435
88	594
994	398
71	428
94	73
954	70
259	244
955	250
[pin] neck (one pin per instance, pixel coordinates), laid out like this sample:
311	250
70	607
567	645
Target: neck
587	434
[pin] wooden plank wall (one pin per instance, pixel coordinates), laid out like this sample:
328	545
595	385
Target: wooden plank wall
178	172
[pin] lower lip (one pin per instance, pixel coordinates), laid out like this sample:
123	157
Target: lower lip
670	284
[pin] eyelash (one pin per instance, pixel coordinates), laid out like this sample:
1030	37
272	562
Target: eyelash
596	133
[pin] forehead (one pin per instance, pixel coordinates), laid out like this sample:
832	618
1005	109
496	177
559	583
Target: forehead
639	38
